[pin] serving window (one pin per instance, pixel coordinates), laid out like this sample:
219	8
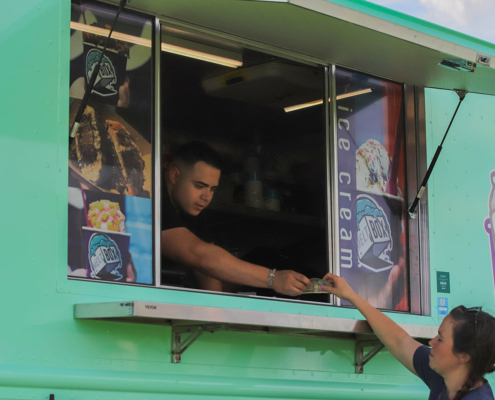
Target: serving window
295	191
372	188
270	208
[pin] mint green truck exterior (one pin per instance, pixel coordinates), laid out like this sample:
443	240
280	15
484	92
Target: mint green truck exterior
44	350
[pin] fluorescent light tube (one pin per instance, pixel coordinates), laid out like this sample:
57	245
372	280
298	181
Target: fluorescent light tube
115	35
304	105
199	55
170	48
201	51
316	102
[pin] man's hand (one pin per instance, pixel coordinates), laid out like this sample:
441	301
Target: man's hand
339	287
290	283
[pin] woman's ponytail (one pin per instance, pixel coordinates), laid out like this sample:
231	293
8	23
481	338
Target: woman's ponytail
471	381
473	334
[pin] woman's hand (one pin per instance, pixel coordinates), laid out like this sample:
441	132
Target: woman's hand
339	287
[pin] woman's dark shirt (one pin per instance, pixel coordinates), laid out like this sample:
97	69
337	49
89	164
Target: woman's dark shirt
435	382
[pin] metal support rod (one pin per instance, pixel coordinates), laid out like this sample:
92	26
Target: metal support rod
412	208
190	339
374	351
157	142
332	174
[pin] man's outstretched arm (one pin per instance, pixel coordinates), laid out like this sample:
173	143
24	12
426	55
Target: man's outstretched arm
181	245
206	282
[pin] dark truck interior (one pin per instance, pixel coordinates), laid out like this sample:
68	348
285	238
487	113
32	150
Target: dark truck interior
240	113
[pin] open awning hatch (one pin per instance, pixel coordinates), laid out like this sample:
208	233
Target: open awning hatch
327	32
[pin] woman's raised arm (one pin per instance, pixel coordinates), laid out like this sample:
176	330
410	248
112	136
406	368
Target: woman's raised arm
396	340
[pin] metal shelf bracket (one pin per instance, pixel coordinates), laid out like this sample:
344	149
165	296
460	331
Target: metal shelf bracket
179	346
360	358
188	323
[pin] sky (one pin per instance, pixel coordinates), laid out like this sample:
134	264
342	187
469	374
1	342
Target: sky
472	17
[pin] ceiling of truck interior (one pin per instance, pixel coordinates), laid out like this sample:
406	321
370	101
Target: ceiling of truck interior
321	30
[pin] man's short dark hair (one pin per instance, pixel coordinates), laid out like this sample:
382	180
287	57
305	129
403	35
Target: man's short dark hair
196	151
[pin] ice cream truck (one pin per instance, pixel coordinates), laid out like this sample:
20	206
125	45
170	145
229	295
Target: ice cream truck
327	114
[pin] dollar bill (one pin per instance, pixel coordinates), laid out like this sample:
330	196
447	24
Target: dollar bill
315	287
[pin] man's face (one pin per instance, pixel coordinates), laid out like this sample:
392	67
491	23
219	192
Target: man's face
194	187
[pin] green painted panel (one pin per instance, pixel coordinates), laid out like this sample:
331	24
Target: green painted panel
44	350
459	189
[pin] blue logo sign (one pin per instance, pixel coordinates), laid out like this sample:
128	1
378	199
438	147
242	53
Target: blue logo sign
443	306
104	258
374	236
106	79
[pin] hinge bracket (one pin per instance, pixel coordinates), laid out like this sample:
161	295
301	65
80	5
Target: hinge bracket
359	357
179	346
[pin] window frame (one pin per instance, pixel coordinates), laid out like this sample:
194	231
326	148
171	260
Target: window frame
416	165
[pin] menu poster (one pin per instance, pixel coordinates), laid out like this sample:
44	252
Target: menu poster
124	81
110	237
108	154
110	158
371	204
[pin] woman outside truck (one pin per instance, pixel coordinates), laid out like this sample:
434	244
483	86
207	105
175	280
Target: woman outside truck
460	355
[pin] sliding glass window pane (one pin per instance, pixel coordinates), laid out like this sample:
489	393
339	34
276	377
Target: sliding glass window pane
110	158
371	174
264	116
